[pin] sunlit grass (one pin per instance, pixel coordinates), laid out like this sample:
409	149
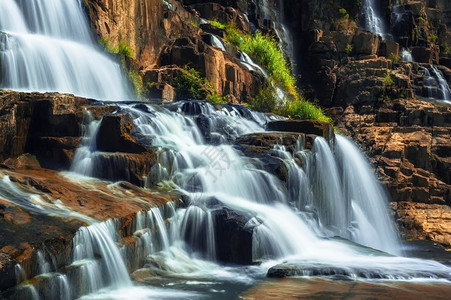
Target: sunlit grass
265	51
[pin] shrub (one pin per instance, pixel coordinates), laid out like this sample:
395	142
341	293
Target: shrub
265	51
394	58
191	85
349	49
305	110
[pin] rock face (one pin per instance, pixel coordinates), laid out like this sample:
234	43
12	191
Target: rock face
43	124
165	37
25	230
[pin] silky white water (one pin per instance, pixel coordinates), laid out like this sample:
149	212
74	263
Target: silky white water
43	49
373	21
444	87
436	85
406	55
336	195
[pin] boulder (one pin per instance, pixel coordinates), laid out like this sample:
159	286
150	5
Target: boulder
318	128
389	49
115	135
366	43
233	237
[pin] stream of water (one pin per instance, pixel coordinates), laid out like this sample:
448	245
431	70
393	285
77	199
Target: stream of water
331	212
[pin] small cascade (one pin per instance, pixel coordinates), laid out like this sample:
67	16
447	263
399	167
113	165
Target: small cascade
283	34
217	43
41	49
372	21
444	87
436	85
406	55
99	239
251	65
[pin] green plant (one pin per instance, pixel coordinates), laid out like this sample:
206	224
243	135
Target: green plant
191	85
343	13
217	24
265	51
387	88
304	110
394	58
445	48
349	49
265	100
433	38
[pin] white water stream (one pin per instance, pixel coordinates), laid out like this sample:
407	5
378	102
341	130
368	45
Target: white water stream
372	19
46	46
335	194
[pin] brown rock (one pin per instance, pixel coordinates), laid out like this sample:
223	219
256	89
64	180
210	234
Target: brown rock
115	135
319	128
366	43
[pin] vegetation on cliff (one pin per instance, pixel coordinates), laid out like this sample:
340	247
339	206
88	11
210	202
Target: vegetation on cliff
129	67
266	52
191	85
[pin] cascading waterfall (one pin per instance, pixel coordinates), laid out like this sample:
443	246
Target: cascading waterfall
43	49
283	34
444	87
336	195
436	85
372	20
406	55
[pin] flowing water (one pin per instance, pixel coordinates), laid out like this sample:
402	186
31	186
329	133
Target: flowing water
443	84
43	49
372	20
319	216
436	85
406	55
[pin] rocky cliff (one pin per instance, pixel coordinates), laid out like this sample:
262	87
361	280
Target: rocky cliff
376	97
374	94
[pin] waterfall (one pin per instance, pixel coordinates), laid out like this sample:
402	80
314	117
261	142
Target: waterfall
372	21
46	46
406	55
436	85
444	87
283	34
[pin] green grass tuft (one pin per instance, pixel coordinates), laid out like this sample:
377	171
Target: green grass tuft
265	51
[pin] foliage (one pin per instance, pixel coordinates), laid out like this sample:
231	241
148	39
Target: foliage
217	24
387	87
433	38
191	85
126	56
265	100
304	110
445	48
265	51
394	58
349	49
343	13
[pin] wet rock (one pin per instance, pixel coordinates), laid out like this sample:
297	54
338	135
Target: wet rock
131	167
115	135
233	237
318	128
